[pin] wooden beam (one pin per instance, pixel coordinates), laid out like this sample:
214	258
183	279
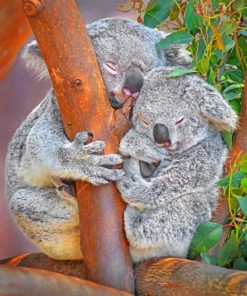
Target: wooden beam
84	105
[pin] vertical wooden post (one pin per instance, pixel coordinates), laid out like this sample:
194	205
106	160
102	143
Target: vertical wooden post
83	103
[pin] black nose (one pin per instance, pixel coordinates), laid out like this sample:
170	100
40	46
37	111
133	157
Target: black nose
161	133
133	79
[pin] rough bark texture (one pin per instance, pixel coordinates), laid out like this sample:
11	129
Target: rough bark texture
29	282
83	102
158	277
14	31
176	277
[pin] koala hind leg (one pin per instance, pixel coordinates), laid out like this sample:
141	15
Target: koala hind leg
165	232
49	221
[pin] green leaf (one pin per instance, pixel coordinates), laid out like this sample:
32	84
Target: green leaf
233	86
209	259
242	201
229	251
236	105
244	33
174	38
244	184
235	75
243	167
192	21
211	77
157	12
227	136
180	72
236	180
240	264
202	65
233	94
243	249
206	236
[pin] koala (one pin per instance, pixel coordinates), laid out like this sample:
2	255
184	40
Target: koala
40	156
174	156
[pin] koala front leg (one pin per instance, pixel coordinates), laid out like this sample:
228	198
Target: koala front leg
50	221
75	160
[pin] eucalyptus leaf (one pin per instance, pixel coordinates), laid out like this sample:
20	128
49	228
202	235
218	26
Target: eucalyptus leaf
236	180
206	236
243	249
157	12
174	38
229	251
244	184
240	264
243	167
227	136
242	201
192	21
181	72
209	259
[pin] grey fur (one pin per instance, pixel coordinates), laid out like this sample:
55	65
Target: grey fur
40	154
164	211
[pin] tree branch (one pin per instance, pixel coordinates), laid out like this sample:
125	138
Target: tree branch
84	105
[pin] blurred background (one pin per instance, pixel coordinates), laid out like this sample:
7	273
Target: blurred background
19	94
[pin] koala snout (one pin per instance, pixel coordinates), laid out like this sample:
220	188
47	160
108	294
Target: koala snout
133	81
161	135
131	88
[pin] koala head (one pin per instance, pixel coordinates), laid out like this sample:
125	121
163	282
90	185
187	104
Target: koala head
125	51
177	113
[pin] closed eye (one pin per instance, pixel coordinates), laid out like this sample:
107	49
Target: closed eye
180	121
110	68
145	120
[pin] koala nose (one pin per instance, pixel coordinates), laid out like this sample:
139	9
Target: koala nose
129	93
131	88
161	135
133	82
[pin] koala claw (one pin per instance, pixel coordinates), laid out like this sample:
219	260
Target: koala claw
83	138
105	176
133	187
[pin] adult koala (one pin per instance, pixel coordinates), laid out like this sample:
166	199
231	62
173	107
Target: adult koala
176	156
40	154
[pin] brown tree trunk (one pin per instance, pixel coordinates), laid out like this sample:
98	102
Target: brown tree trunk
14	31
83	103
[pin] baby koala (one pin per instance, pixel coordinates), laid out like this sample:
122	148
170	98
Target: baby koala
176	155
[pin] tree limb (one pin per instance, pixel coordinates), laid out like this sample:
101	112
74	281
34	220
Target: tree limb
84	105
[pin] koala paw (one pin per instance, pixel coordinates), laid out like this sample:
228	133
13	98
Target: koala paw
134	190
85	161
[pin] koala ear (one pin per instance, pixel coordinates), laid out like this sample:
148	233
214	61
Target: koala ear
176	54
34	61
215	110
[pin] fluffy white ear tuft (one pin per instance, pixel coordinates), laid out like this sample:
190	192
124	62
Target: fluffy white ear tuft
215	109
34	61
